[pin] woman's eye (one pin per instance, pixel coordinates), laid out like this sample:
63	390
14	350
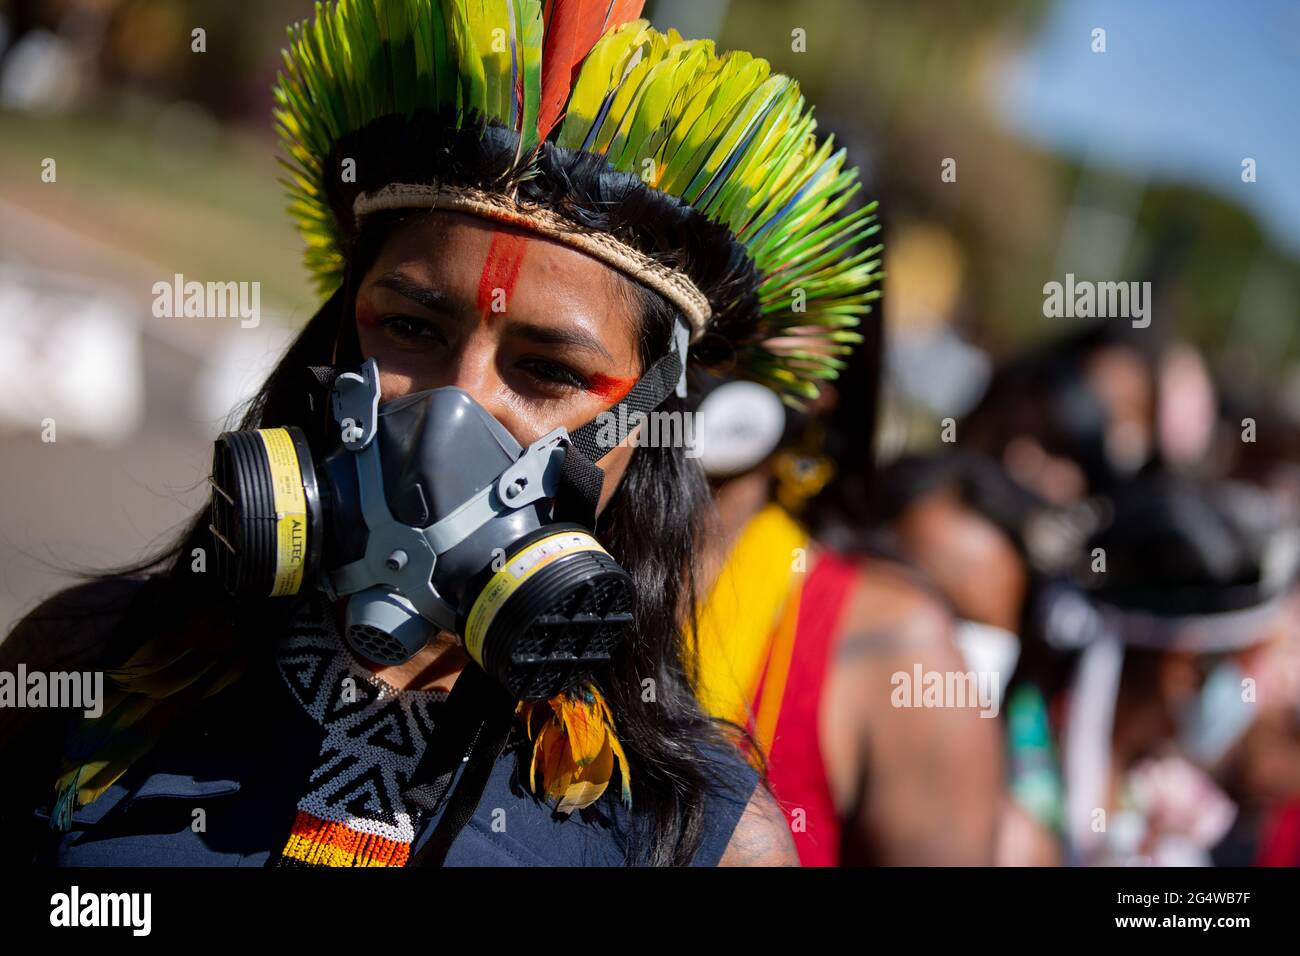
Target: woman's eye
552	374
412	329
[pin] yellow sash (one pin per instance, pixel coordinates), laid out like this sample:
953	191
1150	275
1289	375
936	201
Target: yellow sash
750	607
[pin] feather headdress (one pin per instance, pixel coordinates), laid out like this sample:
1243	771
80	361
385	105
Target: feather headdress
721	133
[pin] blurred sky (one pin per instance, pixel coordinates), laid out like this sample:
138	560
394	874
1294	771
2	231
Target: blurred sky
1185	90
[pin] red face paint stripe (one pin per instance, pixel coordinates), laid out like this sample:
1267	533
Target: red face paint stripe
366	314
610	388
501	269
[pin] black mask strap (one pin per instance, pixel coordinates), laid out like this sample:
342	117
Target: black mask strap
660	379
324	375
581	480
471	735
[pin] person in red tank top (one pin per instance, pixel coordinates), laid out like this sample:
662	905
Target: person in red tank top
796	768
861	780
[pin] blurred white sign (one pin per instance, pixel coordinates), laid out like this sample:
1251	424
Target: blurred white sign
234	371
70	351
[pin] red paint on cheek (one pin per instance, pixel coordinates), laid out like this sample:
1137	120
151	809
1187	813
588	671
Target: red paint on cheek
366	314
500	270
609	387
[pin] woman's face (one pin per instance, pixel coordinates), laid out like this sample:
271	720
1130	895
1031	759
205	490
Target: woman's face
538	333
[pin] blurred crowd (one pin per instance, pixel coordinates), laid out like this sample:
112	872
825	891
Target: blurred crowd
1116	536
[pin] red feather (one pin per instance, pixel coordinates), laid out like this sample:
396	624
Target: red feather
572	28
621	11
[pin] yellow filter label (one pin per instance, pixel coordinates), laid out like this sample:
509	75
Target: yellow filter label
290	511
508	580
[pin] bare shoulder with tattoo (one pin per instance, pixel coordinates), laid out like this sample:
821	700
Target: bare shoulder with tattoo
890	613
888	797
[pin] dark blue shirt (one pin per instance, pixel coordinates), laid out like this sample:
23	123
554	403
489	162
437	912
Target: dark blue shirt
245	758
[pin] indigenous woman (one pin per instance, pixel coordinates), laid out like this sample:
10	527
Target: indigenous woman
446	620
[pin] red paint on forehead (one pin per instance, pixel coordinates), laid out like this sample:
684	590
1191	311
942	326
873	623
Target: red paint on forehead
500	269
609	387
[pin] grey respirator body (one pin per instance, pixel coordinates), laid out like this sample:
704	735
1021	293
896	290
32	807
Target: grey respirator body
430	516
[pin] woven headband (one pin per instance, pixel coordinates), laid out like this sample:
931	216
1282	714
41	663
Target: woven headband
672	284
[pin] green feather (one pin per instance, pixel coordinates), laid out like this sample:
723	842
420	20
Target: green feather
528	16
488	27
629	89
65	798
739	74
601	75
402	59
663	83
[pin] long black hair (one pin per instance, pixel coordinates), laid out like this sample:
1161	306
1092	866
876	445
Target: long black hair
651	522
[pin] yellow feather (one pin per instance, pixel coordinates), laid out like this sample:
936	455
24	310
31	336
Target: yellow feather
661	88
653	51
560	770
588	783
624	769
584	728
602	71
575	750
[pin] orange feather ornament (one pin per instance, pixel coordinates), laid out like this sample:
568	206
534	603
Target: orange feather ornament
575	749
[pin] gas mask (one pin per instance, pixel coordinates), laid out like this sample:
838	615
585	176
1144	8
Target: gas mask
429	516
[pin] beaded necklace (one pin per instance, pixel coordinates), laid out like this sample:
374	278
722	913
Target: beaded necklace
353	814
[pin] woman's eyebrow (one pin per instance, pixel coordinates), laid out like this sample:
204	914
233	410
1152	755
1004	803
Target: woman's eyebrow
554	335
430	297
438	300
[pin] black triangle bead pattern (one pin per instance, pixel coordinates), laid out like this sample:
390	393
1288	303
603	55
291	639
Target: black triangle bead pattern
375	734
